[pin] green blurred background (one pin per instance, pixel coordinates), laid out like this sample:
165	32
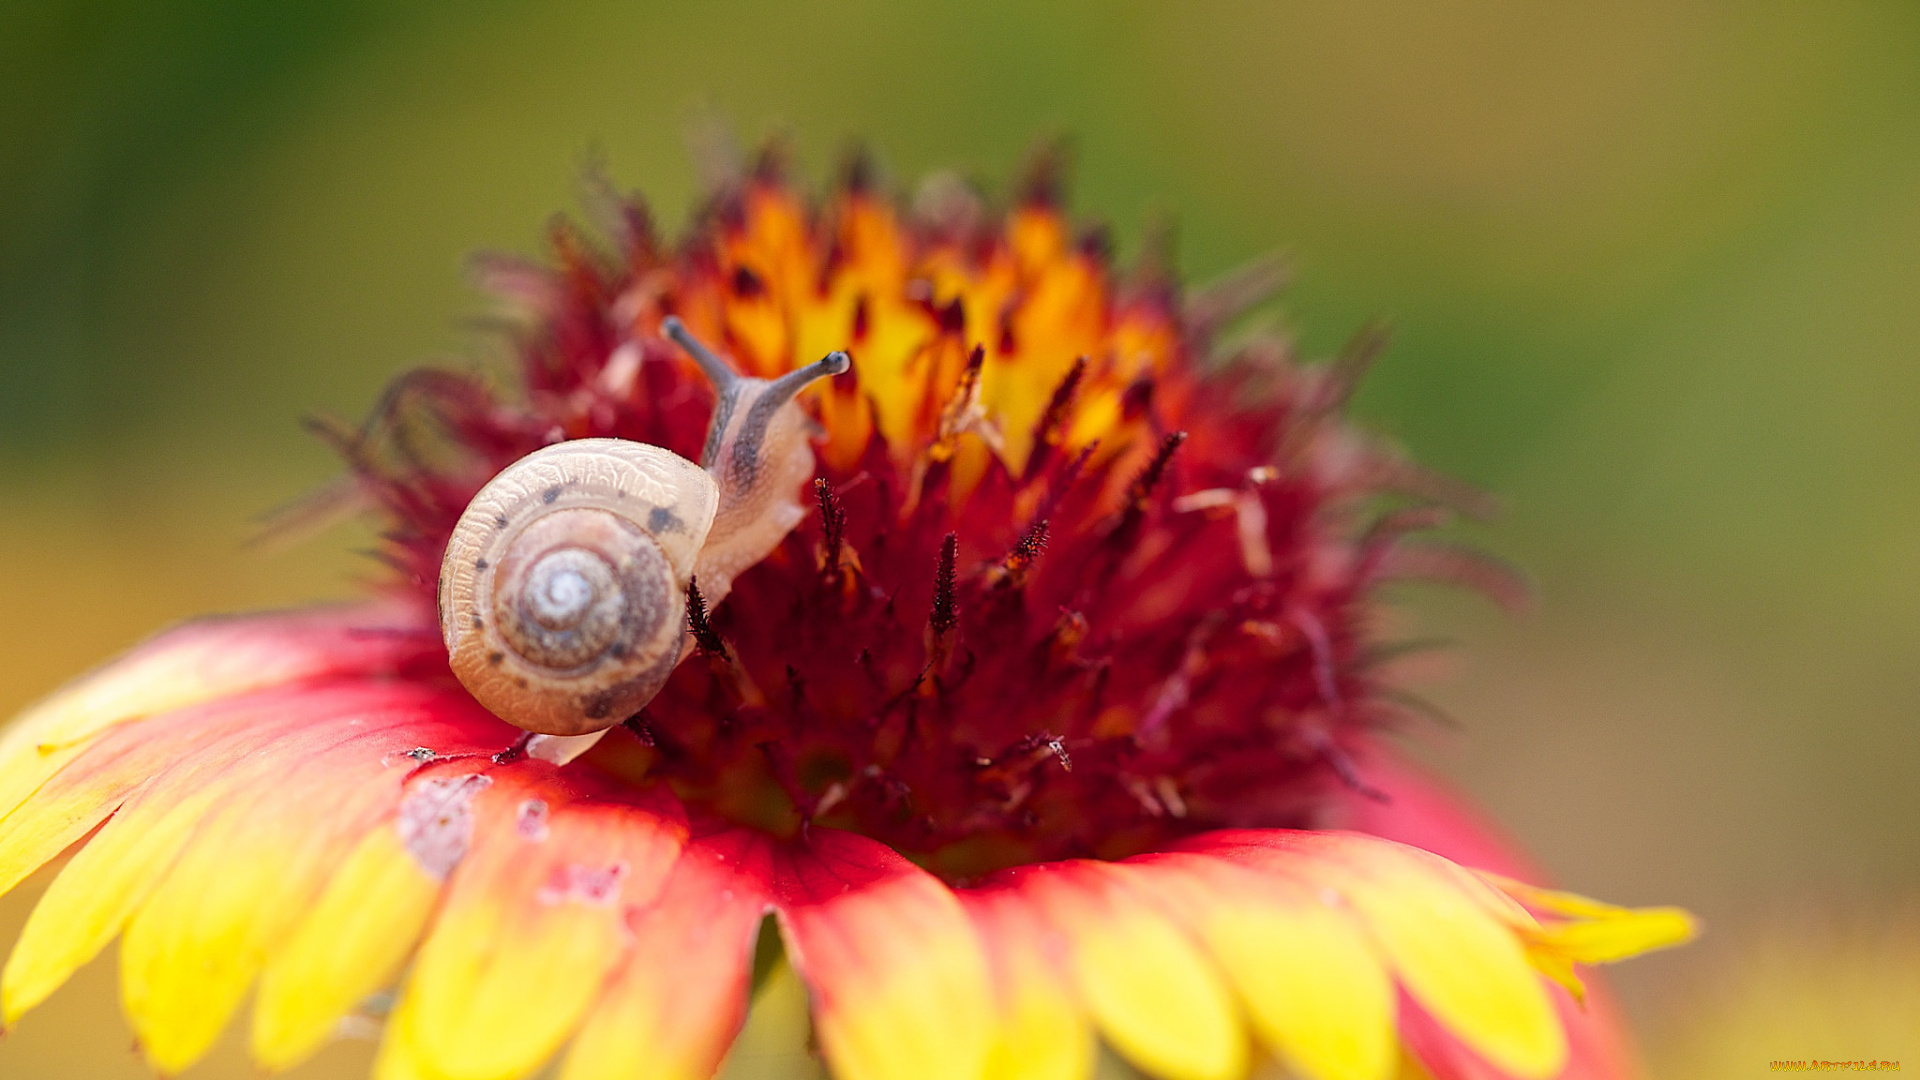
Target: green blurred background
1654	268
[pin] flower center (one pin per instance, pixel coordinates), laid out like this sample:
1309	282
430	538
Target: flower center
980	686
1058	592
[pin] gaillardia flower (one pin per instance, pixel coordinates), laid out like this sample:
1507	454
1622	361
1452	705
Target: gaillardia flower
1027	673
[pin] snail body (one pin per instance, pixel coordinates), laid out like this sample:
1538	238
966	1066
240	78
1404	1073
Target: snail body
563	588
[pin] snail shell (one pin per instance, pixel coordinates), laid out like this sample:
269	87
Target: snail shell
563	592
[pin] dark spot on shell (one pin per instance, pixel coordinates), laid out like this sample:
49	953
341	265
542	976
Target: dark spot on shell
663	519
494	658
521	683
550	494
597	707
477	623
617	651
480	564
499	521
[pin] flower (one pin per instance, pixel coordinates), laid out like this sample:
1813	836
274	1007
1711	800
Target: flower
1040	726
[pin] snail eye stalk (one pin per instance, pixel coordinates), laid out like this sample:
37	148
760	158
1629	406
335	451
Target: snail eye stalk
758	452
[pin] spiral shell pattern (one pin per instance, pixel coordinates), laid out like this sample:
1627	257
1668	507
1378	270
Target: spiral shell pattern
563	591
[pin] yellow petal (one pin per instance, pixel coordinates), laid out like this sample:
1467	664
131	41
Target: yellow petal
1630	933
1041	1034
350	944
56	817
1455	956
1317	992
535	918
398	1058
899	985
23	769
107	880
1558	968
1153	994
251	871
106	772
1596	932
1560	903
681	996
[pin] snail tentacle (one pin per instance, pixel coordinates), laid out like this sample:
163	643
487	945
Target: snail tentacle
718	371
758	452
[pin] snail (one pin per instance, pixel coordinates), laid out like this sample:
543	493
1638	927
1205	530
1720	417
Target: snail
563	591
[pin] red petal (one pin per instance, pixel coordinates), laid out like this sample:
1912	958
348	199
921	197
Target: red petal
673	1009
899	983
205	661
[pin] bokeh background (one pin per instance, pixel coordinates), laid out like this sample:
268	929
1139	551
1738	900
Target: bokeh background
1653	265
